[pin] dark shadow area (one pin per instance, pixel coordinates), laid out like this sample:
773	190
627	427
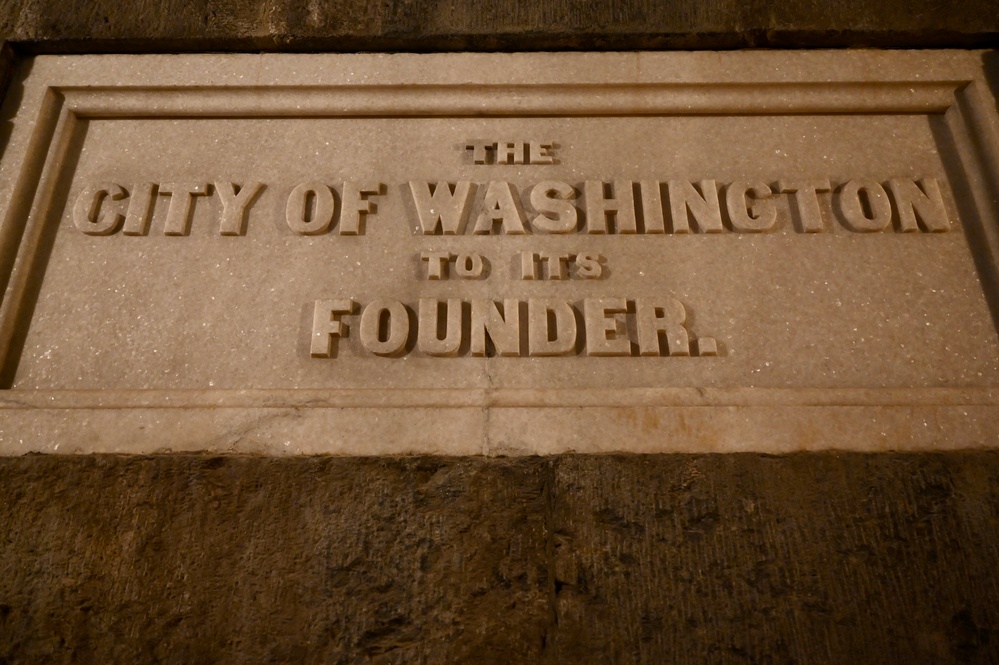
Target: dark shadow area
11	90
524	333
466	328
412	318
990	67
972	221
596	38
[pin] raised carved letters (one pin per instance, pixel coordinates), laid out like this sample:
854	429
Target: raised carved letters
493	255
540	324
511	152
645	326
313	208
806	202
88	214
548	207
234	206
181	195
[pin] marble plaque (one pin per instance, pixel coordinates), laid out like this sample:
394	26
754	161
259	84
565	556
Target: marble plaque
500	254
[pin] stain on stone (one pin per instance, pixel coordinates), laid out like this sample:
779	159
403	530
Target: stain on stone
966	637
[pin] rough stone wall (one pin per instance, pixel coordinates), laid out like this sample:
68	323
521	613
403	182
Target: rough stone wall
620	559
809	558
420	25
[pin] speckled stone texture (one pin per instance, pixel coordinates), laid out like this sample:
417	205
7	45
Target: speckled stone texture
811	558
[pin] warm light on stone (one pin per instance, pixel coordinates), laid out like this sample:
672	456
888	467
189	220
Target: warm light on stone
516	265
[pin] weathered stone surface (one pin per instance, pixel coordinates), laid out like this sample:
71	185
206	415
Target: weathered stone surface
799	559
350	25
645	559
197	560
774	323
887	558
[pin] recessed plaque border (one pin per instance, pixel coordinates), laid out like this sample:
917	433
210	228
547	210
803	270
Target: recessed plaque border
969	117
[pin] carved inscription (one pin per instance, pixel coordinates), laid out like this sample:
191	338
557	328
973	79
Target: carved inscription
511	152
479	327
705	206
904	205
640	325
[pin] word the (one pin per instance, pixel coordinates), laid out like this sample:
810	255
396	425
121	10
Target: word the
512	152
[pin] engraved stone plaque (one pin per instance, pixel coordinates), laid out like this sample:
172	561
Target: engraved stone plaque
500	254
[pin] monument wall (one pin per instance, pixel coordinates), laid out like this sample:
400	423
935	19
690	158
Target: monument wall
373	497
